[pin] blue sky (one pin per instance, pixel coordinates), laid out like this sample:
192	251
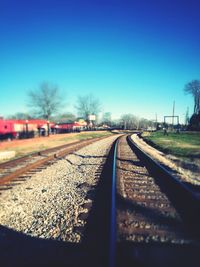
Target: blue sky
135	56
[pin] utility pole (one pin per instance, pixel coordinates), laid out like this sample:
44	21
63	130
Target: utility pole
156	122
173	113
125	125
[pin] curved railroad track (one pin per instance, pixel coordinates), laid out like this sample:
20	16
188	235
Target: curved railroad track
134	214
142	211
155	212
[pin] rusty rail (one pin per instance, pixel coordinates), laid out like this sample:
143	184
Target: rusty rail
61	152
187	200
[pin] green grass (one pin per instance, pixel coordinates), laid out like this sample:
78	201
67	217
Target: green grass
183	144
86	135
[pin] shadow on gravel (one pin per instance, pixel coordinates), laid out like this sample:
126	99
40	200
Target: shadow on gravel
153	254
153	215
17	249
156	255
84	157
185	202
134	172
88	156
133	162
97	233
20	250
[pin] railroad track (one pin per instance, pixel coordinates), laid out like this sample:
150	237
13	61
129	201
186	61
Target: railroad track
142	211
140	216
19	168
155	213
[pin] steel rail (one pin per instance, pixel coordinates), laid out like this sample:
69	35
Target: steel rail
34	154
66	149
44	152
112	245
186	199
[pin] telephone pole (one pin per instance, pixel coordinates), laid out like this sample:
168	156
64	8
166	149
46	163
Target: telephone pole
173	113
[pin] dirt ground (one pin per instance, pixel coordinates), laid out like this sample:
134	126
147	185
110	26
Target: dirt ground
26	146
44	140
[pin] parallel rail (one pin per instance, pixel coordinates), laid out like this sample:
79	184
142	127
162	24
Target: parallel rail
100	246
187	200
39	159
141	252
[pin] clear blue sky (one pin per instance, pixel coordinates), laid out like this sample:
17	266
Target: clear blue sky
134	55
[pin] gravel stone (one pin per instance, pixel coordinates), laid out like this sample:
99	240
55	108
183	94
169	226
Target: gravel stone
182	174
49	203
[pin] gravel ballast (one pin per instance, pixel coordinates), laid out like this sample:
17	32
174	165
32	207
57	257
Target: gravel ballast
181	173
145	214
51	204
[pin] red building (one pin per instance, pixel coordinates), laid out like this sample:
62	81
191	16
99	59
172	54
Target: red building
23	128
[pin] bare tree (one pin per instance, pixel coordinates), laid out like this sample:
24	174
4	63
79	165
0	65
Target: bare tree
106	119
193	88
144	123
88	105
129	121
45	101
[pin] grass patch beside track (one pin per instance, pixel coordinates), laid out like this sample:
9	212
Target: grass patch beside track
85	135
185	144
27	146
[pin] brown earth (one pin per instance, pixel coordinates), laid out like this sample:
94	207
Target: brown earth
26	146
5	145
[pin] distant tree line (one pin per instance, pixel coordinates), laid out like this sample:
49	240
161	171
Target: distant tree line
130	121
46	101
